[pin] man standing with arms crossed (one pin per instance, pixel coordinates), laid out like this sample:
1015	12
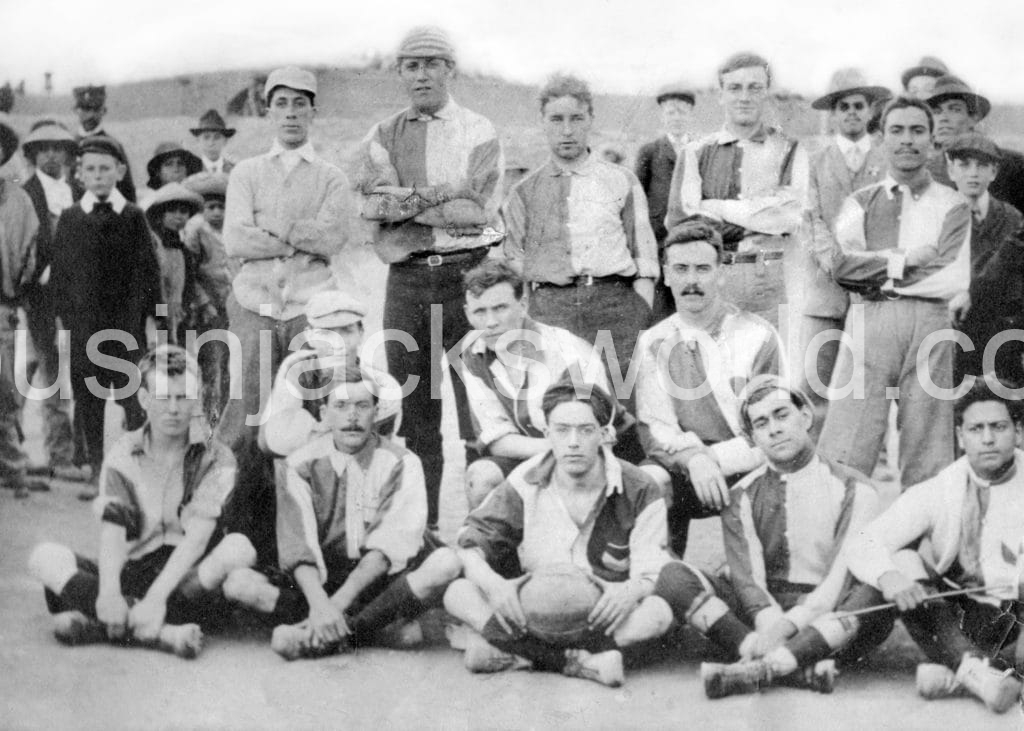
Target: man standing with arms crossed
431	177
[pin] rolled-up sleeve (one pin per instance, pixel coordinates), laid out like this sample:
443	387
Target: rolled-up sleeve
496	526
298	540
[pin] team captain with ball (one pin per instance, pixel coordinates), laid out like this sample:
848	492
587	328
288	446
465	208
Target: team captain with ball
570	559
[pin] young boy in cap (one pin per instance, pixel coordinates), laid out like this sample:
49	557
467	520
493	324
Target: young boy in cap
162	493
333	338
204	238
105	277
168	212
91	107
18	229
654	165
51	150
351	536
213	134
287	213
996	296
171	163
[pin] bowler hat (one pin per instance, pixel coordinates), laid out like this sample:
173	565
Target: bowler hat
845	82
951	87
292	77
333	308
103	145
974	144
927	66
676	91
50	133
170	149
211	121
90	97
8	142
170	194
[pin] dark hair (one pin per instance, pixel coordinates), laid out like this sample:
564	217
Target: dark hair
984	390
171	360
693	229
762	386
308	94
353	373
744	60
907	102
566	85
565	391
490	273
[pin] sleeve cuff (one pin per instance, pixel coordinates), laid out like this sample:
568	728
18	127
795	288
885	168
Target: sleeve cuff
896	263
736	456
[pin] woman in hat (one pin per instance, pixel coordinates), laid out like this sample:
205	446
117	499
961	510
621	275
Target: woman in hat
171	163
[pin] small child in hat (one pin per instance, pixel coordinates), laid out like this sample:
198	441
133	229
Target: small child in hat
171	163
171	208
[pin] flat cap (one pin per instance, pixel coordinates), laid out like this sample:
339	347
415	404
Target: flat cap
974	144
426	42
103	145
927	66
676	91
90	97
334	308
952	87
208	185
292	77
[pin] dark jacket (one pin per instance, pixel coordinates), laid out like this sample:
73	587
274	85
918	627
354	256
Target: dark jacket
654	165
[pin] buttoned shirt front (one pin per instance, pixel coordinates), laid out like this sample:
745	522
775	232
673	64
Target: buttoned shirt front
590	219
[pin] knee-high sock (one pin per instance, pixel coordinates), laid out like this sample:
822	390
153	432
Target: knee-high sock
79	593
935	628
692	602
809	646
394	602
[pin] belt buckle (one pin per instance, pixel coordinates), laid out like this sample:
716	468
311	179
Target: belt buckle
435	260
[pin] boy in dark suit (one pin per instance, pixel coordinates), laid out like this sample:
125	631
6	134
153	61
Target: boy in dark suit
104	277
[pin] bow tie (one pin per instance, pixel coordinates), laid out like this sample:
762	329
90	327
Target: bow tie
100	207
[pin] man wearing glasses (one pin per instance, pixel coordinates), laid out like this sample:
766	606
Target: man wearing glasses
750	178
431	180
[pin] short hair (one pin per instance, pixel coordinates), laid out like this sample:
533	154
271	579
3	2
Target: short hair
490	273
560	85
696	228
984	390
171	360
565	391
306	93
907	102
762	386
352	373
744	60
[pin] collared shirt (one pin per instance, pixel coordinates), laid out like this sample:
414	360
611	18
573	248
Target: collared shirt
862	147
58	193
782	529
913	242
591	219
214	166
678	143
934	509
116	200
500	404
523	522
758	184
981	206
336	507
678	414
284	226
453	147
153	506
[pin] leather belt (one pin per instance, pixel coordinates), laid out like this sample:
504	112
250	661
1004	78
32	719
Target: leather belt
584	280
432	259
751	257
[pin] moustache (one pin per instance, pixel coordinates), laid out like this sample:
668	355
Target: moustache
693	289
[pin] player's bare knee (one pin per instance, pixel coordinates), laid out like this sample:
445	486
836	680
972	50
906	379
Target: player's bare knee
458	594
441	568
52	564
482	477
235	551
651	618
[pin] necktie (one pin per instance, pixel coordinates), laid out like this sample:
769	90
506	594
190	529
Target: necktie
976	217
854	159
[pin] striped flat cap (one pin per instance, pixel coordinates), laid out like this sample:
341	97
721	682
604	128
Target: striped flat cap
426	42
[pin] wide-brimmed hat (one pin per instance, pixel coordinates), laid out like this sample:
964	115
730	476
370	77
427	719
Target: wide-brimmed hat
90	97
170	194
927	66
208	185
50	133
211	121
676	91
170	149
951	87
849	81
8	142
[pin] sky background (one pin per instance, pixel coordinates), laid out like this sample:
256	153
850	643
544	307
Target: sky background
620	46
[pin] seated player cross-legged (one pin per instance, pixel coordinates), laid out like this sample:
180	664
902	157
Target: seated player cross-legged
781	609
573	504
351	537
162	489
962	528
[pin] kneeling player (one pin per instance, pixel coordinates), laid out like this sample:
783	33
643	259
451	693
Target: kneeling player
573	504
162	489
351	536
784	529
971	515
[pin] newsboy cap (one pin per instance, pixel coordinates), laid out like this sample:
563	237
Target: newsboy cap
291	77
426	42
974	144
676	91
103	145
333	308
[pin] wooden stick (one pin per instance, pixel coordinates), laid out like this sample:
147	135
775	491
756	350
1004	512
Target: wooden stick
930	597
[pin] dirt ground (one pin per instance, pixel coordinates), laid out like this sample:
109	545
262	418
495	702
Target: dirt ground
239	683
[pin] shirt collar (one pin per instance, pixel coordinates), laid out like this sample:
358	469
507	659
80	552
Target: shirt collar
845	145
555	168
52	186
983	204
1008	475
306	152
447	113
214	166
97	131
143	437
678	142
116	200
479	345
891	185
362	458
726	136
805	471
541	473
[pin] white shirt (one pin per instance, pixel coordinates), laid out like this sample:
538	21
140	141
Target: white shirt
860	148
212	166
290	158
116	199
57	192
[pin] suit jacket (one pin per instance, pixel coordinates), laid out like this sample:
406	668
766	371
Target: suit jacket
1008	185
654	165
997	289
830	182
